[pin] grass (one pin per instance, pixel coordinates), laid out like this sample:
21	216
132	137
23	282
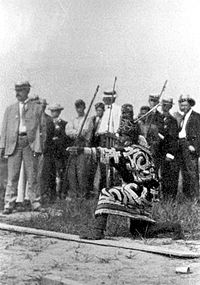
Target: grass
76	216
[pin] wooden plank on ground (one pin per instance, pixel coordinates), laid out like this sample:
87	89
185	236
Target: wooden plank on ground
132	245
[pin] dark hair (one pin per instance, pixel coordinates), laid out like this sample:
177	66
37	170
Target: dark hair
79	103
100	105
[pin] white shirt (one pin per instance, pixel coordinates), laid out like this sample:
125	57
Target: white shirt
114	120
182	133
22	126
72	128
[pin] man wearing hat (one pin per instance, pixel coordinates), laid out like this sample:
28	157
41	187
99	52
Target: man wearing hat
169	148
59	149
111	117
22	139
189	147
155	124
46	169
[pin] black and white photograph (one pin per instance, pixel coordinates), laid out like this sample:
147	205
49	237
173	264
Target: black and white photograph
99	142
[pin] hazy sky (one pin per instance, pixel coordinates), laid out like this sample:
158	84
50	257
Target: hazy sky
66	47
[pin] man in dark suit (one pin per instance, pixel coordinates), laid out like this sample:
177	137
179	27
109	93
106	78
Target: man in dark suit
95	122
59	154
189	147
22	140
155	128
169	148
47	169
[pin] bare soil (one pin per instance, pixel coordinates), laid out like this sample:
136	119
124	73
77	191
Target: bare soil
24	259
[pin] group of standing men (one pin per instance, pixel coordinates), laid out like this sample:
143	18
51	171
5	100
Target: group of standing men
40	141
175	144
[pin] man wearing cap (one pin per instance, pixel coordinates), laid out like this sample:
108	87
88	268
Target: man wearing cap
142	120
21	139
47	171
169	148
59	155
154	130
189	147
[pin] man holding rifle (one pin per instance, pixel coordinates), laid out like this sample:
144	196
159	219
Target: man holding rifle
155	123
78	165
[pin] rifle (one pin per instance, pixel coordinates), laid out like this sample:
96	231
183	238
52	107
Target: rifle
65	184
108	138
155	107
86	116
113	91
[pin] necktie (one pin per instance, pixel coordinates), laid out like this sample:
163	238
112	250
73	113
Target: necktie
23	114
182	121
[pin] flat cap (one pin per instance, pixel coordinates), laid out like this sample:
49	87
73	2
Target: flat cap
167	101
184	98
56	107
22	85
154	98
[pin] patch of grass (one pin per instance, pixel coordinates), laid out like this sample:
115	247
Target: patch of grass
186	213
77	216
63	216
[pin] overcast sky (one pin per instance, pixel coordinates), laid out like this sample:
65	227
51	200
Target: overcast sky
65	48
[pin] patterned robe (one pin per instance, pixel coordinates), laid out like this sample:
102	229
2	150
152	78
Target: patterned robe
135	196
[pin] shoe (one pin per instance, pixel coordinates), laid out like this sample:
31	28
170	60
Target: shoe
7	211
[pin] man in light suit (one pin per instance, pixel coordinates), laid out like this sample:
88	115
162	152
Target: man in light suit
189	147
21	140
111	118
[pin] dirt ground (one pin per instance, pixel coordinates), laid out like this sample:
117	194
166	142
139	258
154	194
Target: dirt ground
24	259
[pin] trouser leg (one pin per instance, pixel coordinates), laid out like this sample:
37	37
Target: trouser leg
60	171
31	168
169	175
102	183
82	175
14	166
71	177
190	173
